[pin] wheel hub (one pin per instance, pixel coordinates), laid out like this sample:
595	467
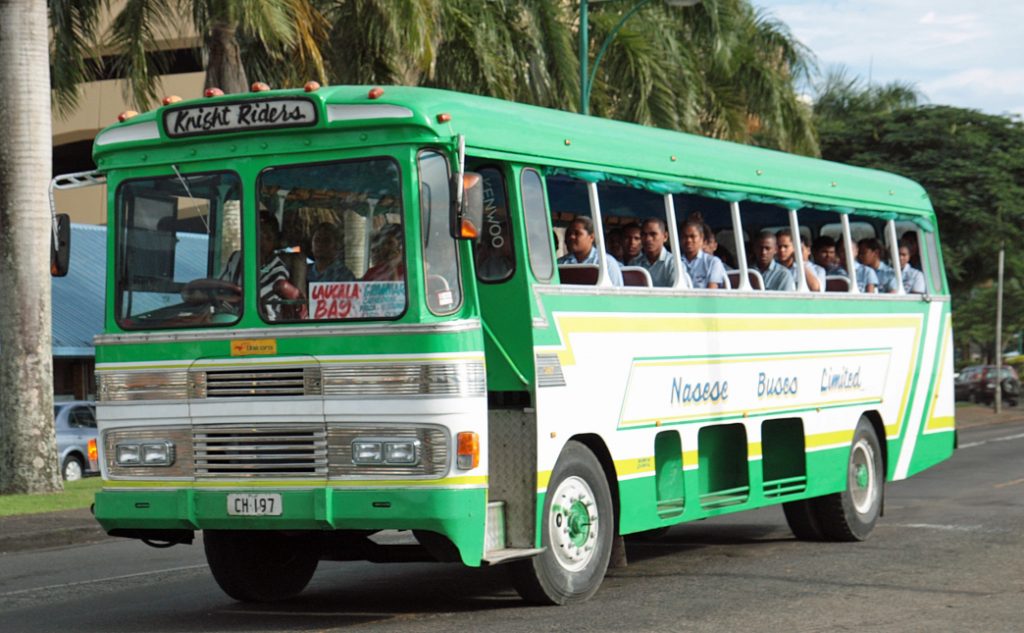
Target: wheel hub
573	525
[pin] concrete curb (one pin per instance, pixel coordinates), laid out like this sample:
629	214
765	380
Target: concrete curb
48	530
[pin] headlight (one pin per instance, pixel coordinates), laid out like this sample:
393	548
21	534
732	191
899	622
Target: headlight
397	452
127	454
144	453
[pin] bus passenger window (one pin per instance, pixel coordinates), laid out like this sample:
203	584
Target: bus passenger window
495	258
538	234
440	255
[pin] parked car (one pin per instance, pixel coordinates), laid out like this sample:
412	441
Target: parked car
977	383
76	438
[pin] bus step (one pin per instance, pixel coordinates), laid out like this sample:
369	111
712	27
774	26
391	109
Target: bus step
498	556
494	536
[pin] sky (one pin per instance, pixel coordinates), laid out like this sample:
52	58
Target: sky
965	54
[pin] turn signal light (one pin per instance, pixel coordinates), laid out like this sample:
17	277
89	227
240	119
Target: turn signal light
468	455
213	92
376	93
444	117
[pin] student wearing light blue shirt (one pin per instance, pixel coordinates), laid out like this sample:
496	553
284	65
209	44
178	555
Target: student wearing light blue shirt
654	256
579	241
775	275
705	271
867	280
913	279
870	255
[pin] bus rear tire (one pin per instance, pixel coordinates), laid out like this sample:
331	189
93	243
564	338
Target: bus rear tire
260	566
851	515
802	518
576	533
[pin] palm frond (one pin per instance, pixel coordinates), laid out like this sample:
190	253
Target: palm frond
132	34
74	25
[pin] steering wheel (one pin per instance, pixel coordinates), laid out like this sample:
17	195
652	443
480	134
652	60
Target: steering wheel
199	291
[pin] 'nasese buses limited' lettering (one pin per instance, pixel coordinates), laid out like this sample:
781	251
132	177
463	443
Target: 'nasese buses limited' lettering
776	385
698	392
843	379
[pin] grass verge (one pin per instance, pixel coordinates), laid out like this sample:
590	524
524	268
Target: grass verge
77	494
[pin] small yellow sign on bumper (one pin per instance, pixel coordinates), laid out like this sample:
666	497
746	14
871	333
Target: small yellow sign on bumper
254	347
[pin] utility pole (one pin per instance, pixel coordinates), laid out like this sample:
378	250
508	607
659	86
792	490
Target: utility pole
999	335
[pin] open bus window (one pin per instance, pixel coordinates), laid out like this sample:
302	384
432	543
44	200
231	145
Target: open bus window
494	255
175	236
331	242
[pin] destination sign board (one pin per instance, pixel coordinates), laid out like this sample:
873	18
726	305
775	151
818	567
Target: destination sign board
241	116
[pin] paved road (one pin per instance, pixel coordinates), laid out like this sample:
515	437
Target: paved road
947	556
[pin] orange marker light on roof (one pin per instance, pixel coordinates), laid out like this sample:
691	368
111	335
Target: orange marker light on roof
311	86
127	114
168	100
444	117
376	93
259	86
213	92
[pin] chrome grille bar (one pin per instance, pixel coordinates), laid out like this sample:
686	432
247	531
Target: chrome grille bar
299	451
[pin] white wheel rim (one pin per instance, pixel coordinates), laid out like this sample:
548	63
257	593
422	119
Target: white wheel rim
573	525
863	478
72	472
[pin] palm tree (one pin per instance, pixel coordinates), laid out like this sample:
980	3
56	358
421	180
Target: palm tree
278	37
28	457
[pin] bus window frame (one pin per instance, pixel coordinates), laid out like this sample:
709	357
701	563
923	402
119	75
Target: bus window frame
499	168
532	245
456	305
121	246
405	242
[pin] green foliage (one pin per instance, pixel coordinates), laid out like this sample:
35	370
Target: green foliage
971	164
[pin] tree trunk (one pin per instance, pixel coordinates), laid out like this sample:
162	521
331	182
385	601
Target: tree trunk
224	68
28	449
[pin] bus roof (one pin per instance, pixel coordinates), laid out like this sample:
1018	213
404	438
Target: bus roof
587	146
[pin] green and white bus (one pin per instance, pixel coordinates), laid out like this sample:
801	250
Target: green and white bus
339	311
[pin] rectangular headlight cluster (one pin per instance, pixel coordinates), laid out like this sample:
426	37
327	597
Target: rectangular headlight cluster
159	453
163	452
390	452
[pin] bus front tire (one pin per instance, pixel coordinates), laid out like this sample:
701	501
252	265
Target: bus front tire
253	566
577	530
851	515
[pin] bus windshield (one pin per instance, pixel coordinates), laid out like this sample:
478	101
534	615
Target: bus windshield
175	236
331	241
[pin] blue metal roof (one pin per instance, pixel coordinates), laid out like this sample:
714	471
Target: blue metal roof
78	298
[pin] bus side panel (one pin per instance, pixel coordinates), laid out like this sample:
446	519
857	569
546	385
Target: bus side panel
645	381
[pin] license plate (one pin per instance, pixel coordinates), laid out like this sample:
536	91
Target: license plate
255	505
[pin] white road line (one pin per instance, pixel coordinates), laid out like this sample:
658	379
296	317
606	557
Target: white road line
99	580
996	439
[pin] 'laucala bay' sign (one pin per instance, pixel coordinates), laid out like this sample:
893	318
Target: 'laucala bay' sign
236	117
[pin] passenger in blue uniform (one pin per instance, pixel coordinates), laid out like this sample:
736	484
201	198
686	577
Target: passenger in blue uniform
706	271
775	275
787	257
579	241
870	255
654	256
867	280
913	279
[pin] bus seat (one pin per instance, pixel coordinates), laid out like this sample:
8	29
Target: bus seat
636	276
732	279
837	283
578	274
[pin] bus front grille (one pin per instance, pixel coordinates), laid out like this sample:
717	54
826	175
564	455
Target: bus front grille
260	451
249	382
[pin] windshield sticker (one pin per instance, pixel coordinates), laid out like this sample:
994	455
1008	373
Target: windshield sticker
356	299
